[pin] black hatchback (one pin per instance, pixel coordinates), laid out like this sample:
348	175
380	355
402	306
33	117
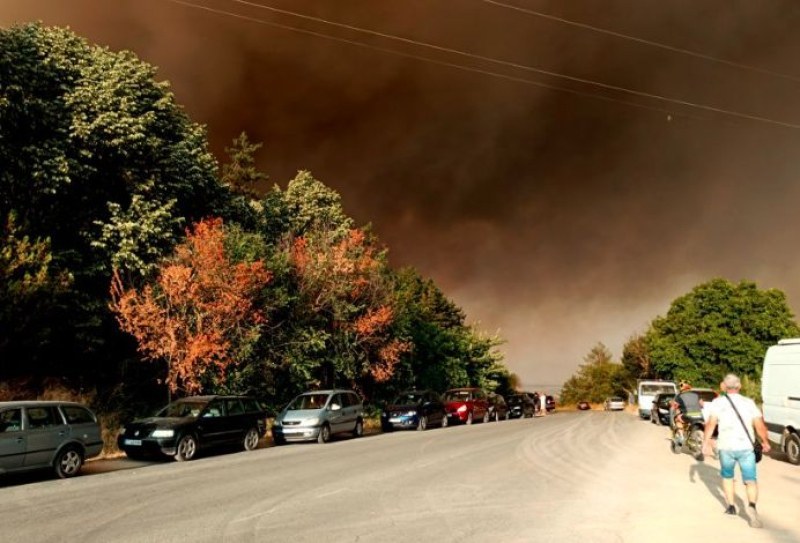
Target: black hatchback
187	425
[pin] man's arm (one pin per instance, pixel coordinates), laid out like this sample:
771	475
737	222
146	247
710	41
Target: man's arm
761	430
711	424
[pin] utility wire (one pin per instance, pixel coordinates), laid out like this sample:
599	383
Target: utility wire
644	41
476	57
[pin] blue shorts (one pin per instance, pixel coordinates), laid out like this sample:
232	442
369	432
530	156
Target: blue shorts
746	460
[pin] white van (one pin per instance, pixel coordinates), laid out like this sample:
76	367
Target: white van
780	391
646	391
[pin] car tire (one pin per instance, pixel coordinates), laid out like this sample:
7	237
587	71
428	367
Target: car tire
358	429
508	415
68	462
792	448
445	421
469	418
422	425
485	417
186	449
324	434
250	441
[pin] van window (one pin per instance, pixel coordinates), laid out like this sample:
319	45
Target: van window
11	420
77	415
43	417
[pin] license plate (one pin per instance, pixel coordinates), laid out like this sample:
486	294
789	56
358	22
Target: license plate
133	442
395	419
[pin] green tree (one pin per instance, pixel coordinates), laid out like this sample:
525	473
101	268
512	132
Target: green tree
96	156
719	327
596	379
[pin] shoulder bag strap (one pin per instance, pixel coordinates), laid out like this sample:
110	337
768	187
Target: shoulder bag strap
746	431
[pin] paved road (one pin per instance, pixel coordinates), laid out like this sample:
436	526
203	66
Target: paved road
585	477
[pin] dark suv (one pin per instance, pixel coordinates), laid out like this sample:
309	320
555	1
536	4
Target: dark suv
189	424
40	434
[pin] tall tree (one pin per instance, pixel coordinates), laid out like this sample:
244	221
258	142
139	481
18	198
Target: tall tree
719	327
596	379
199	315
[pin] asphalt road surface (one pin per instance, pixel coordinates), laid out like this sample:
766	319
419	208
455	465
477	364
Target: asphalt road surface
589	477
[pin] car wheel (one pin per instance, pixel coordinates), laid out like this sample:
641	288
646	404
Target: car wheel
508	415
469	418
358	431
486	417
324	434
496	416
250	439
792	448
186	449
445	421
422	425
68	462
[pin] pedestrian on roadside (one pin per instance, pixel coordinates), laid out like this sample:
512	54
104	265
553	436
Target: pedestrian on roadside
737	417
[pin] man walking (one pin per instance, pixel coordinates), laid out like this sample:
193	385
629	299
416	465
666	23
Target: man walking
735	443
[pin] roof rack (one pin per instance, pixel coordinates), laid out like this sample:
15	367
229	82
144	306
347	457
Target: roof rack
789	341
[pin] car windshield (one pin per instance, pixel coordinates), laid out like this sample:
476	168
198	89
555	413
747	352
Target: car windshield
615	399
308	401
515	399
457	396
183	408
408	398
652	390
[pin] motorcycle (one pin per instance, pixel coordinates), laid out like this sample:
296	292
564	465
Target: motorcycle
689	439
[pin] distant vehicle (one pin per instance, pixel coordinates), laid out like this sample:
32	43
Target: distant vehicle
520	406
414	409
614	403
498	408
318	416
659	411
466	405
647	390
187	425
550	403
47	434
584	406
780	392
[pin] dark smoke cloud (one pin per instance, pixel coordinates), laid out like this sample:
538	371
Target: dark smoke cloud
555	219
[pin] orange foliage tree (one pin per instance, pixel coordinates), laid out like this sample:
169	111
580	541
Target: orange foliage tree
342	281
199	315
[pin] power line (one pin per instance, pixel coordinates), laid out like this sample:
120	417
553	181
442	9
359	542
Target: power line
644	41
477	57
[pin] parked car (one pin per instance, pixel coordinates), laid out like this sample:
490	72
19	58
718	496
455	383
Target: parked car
466	405
318	416
414	409
584	406
694	401
550	403
188	425
521	406
614	403
40	435
498	408
659	412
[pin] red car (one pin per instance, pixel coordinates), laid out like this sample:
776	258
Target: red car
466	405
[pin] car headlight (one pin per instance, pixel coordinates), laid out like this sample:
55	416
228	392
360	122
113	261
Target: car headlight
462	408
311	422
163	433
409	413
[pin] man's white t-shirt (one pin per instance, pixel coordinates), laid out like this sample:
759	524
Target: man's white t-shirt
732	436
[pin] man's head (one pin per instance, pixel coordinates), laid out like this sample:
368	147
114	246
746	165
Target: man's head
684	385
732	383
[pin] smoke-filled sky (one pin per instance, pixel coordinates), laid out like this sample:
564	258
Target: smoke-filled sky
557	219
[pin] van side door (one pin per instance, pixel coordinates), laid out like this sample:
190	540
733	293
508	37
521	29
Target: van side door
46	431
12	439
336	414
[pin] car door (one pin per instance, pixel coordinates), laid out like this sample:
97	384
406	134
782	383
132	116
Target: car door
237	421
336	414
12	439
212	426
46	430
435	408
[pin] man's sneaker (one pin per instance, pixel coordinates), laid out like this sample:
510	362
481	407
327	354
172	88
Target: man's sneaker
731	510
752	517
